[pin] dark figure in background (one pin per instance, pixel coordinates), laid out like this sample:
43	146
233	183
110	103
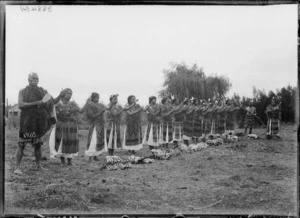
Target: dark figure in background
250	119
274	115
35	119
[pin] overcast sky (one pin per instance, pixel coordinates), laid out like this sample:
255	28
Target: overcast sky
124	49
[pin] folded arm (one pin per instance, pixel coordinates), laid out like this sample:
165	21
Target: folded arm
25	105
134	112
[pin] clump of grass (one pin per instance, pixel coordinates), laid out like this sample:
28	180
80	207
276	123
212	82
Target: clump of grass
104	197
58	196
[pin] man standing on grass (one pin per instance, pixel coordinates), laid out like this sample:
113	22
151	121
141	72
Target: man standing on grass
35	119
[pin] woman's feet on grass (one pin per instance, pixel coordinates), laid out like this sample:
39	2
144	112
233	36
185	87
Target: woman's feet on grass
131	152
70	162
63	162
96	158
40	168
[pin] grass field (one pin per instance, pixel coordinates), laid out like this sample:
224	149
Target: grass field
246	177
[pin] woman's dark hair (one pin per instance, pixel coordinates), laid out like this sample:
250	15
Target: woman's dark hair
274	99
163	100
129	98
185	101
112	96
94	95
65	91
151	99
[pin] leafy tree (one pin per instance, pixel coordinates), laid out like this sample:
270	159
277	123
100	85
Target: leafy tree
182	81
287	99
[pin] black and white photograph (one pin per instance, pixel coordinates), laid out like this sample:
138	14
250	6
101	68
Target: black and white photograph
151	109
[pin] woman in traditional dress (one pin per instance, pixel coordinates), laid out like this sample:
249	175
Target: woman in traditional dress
188	124
221	117
198	121
113	127
213	117
206	117
167	117
229	119
274	115
66	130
153	127
250	119
236	107
133	138
179	116
96	138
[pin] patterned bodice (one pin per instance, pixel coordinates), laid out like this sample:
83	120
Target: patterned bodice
191	116
114	118
134	117
273	111
167	109
179	117
151	117
92	109
63	111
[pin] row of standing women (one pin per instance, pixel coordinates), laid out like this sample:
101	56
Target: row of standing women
168	122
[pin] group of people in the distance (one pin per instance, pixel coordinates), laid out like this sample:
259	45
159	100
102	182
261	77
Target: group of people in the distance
169	122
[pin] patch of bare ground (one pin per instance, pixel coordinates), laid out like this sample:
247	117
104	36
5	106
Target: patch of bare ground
246	177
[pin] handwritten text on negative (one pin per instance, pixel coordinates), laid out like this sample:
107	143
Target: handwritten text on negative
36	8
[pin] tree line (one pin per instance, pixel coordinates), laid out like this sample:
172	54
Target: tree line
184	82
286	97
